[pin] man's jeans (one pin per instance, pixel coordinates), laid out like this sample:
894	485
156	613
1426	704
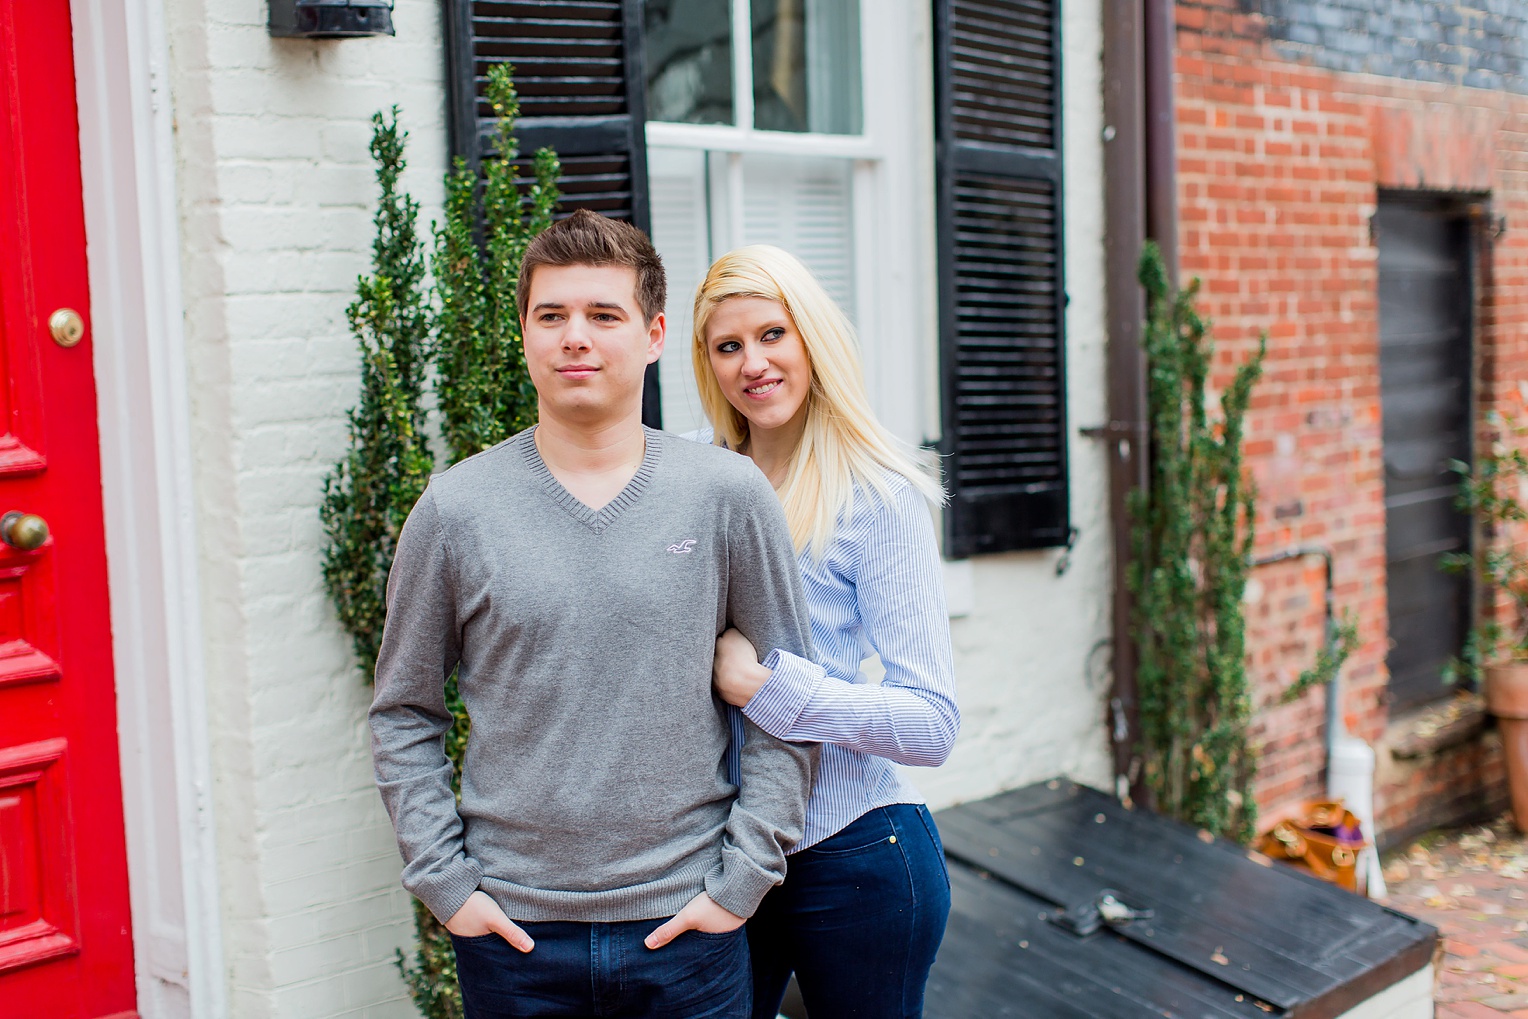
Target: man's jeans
603	970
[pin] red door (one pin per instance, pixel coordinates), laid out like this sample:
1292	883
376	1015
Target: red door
65	932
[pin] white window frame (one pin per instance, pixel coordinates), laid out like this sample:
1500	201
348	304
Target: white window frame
892	192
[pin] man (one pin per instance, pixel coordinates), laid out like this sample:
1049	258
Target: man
576	577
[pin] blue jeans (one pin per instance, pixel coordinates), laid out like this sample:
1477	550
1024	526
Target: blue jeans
603	969
859	919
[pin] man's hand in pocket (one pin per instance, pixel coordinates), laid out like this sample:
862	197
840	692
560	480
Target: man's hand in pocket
481	915
699	914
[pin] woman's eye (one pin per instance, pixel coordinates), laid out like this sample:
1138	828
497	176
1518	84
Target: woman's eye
728	347
774	334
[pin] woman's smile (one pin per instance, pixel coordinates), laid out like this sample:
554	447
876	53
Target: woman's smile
760	361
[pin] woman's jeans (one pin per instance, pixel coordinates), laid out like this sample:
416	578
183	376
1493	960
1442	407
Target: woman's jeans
859	919
603	969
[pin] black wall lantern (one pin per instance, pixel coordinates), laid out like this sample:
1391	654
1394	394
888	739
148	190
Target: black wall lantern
330	19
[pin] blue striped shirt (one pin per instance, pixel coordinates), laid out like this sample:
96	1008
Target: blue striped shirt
878	588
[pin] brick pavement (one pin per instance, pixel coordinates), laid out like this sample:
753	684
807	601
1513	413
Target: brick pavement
1472	885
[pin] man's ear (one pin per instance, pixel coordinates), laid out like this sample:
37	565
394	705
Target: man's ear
657	331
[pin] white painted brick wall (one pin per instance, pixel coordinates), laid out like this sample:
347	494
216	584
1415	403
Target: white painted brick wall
1032	656
276	199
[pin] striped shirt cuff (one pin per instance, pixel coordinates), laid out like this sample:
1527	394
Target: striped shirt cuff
784	696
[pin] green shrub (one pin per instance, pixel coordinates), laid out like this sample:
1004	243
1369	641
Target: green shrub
369	493
1492	492
485	392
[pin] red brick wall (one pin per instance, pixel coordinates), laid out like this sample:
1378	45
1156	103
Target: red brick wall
1278	170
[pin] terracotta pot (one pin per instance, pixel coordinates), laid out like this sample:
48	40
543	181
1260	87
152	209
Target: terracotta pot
1507	699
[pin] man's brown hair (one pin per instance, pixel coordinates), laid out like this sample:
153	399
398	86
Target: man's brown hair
587	238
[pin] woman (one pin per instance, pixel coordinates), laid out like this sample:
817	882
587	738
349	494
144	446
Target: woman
866	895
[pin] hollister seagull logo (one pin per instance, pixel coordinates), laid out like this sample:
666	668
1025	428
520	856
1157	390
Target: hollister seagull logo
684	547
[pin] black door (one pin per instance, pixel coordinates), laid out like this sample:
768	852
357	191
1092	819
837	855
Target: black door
1425	299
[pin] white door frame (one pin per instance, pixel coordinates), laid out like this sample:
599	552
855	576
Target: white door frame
131	224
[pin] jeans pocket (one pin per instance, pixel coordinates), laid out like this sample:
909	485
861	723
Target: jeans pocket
699	973
717	935
871	829
476	939
933	834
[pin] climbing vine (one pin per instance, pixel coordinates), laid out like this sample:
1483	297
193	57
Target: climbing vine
1192	536
467	341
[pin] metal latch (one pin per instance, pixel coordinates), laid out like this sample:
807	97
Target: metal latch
1104	909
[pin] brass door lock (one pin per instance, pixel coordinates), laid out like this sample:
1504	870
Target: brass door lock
66	326
26	531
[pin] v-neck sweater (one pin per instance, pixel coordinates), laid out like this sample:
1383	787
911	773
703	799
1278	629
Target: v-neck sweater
594	785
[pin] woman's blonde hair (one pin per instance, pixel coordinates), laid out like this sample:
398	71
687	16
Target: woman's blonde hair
843	445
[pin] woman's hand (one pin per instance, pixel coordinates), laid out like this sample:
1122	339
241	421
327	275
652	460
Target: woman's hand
736	672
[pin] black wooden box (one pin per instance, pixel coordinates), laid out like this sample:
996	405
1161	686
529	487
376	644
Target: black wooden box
1230	933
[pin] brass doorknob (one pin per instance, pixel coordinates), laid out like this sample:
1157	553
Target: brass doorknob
66	326
25	531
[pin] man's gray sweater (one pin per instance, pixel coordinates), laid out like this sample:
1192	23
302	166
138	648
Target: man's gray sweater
594	786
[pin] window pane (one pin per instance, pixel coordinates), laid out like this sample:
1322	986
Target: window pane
804	206
689	61
806	66
682	234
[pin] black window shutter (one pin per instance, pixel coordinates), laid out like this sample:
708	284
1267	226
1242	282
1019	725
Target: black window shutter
578	70
1001	294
